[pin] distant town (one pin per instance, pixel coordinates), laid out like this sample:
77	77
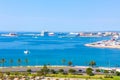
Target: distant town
70	34
114	42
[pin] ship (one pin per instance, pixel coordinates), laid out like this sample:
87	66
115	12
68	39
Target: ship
46	33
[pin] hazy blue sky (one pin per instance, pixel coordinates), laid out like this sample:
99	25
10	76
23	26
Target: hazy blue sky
59	15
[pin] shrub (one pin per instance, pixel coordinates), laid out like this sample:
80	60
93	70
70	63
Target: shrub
97	70
16	73
45	70
89	71
53	71
39	73
71	71
29	70
106	71
112	71
61	71
118	73
8	73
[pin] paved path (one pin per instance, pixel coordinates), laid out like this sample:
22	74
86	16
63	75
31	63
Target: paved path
22	69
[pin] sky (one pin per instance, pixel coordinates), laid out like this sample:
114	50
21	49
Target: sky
60	15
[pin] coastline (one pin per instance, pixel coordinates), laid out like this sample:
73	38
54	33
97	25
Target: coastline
37	68
99	46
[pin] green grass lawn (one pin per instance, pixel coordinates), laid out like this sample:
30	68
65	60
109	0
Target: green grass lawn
98	77
114	78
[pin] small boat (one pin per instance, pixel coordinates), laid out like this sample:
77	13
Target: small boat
51	34
9	35
26	52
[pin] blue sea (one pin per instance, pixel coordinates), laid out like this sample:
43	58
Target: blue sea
52	50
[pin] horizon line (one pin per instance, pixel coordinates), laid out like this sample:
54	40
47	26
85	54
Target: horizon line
65	31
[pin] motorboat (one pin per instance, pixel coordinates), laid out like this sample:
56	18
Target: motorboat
26	52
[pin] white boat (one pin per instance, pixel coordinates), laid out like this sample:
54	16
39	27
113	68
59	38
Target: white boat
44	33
51	34
73	34
9	35
26	52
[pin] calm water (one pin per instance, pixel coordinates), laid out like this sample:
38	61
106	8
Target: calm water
51	50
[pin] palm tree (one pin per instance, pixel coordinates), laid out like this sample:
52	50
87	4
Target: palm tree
26	61
63	61
92	63
11	61
69	63
3	61
19	62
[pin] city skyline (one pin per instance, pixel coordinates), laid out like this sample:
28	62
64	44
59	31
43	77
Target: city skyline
63	15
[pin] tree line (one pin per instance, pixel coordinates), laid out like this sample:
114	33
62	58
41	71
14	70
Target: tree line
19	62
11	62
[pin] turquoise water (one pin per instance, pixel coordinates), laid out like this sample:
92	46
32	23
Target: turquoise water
51	50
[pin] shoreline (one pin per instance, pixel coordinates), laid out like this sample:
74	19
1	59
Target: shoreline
99	46
37	68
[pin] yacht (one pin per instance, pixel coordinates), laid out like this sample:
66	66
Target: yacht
44	33
26	52
73	34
